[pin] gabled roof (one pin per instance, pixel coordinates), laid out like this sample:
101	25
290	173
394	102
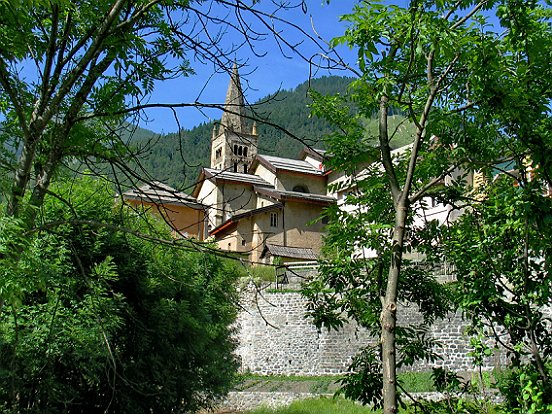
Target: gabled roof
282	195
221	175
286	164
213	174
292	252
237	217
159	193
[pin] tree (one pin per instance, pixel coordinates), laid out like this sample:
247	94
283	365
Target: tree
72	77
501	249
71	72
438	62
501	252
109	322
74	74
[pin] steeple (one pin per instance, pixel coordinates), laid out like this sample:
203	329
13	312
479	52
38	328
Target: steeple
233	118
234	146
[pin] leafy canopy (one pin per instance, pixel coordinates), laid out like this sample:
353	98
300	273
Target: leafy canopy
98	317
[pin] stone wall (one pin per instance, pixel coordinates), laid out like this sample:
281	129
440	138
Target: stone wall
246	401
276	338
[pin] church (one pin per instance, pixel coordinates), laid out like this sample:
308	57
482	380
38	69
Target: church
263	207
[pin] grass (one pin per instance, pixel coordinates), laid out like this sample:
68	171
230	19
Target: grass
411	381
282	290
271	383
416	381
325	405
262	273
322	405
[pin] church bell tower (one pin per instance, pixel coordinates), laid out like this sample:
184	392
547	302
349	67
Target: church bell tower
233	144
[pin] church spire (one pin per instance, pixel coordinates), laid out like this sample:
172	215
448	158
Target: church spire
234	146
233	118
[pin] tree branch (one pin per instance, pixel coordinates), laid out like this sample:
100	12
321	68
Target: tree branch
469	15
420	193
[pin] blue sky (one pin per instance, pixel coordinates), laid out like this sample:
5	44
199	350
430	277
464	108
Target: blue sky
261	76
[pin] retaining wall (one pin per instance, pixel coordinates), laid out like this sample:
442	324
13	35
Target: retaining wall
276	338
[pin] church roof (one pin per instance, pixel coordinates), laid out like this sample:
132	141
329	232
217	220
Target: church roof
242	178
159	193
288	164
283	195
315	153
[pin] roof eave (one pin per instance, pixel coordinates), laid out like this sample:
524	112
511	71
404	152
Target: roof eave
151	200
228	223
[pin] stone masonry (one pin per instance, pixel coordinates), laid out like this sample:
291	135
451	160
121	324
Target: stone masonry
276	338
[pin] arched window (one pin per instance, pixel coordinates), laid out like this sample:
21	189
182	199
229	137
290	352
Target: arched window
235	148
245	151
240	150
301	189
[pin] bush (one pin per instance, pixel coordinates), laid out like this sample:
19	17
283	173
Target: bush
101	320
523	391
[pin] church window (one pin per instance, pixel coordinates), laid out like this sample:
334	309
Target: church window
235	167
218	153
273	219
235	148
245	168
245	151
240	150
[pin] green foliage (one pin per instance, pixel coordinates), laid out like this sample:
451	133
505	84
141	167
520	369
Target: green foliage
364	381
106	320
416	381
501	251
66	65
466	90
522	392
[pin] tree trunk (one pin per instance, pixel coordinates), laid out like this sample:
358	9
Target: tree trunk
389	321
389	314
21	178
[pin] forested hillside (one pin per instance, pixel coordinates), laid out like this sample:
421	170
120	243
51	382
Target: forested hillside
176	158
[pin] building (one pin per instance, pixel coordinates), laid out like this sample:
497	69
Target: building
182	213
278	204
263	207
266	208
